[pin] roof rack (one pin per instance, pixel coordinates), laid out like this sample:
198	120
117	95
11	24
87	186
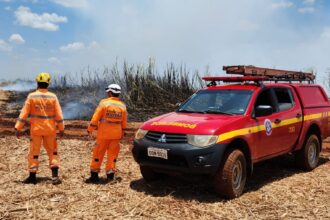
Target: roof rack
259	74
272	74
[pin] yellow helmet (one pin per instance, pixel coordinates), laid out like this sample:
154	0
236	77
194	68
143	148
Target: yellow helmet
43	77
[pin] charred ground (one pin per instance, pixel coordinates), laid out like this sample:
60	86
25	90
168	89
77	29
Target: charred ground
275	191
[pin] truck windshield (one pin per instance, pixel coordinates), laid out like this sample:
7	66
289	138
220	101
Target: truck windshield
229	102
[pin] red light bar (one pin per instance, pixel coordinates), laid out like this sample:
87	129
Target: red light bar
235	78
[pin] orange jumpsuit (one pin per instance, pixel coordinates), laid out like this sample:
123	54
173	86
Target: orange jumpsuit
110	119
44	111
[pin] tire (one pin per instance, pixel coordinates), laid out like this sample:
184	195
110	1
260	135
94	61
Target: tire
149	174
231	177
308	157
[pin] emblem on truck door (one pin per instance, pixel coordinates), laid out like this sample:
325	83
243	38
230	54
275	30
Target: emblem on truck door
268	127
162	139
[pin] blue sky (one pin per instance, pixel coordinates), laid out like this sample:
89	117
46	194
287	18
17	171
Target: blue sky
66	36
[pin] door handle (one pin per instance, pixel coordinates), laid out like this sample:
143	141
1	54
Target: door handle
277	121
298	115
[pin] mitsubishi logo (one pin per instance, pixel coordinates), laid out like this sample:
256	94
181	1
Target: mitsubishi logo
162	139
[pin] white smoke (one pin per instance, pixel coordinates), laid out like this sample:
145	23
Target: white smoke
76	110
18	85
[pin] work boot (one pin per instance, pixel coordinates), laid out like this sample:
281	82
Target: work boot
55	179
32	179
94	178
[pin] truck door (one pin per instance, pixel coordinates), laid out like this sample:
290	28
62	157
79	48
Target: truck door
276	132
288	118
266	139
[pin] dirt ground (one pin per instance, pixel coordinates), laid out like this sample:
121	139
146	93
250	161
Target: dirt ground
276	190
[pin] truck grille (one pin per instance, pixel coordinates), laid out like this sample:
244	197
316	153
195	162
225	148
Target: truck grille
166	137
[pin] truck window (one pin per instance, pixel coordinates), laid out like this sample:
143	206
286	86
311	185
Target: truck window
284	98
265	98
232	102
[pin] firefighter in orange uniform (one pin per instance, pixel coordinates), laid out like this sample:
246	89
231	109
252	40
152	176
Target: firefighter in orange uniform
110	120
44	111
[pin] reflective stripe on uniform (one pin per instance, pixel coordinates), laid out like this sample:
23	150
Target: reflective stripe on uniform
92	125
33	168
110	171
113	104
59	121
95	170
41	116
110	122
22	120
42	96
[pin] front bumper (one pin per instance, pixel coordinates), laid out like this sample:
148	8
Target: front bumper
182	158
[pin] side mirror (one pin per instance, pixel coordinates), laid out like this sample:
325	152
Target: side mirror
263	110
178	104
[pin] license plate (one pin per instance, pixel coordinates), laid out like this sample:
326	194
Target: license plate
157	152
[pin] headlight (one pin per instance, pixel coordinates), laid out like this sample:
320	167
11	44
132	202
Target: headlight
140	134
202	140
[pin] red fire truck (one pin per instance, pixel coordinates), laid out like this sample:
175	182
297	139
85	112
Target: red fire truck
236	121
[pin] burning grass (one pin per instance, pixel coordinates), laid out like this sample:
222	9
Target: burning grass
146	92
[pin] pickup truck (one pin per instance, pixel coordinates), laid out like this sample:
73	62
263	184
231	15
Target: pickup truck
223	130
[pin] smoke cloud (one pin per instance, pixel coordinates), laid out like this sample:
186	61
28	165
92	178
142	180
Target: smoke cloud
76	110
18	85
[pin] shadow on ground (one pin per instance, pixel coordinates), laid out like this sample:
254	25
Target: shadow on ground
41	179
200	188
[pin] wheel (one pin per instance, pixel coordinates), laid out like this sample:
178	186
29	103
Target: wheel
308	157
149	174
230	179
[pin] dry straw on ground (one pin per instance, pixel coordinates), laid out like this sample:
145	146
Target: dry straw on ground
275	191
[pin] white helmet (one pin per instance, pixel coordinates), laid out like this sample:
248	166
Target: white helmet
114	88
